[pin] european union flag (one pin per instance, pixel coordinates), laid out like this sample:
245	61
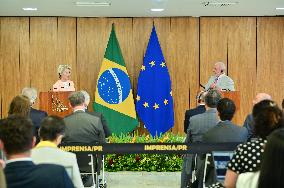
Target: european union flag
154	102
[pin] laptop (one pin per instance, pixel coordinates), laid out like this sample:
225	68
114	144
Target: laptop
221	160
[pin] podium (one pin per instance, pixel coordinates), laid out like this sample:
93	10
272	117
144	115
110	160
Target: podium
55	103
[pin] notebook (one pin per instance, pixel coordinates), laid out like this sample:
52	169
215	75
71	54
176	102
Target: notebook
221	160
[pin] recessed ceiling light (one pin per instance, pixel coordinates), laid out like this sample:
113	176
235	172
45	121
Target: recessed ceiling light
279	8
94	4
157	9
30	9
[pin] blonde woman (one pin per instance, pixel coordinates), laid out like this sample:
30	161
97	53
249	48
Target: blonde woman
64	83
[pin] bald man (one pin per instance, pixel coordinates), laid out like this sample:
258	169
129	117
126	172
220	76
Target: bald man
220	80
249	123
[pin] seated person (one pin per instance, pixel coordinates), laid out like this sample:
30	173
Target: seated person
35	115
198	110
271	172
51	132
220	80
16	135
64	83
247	158
225	130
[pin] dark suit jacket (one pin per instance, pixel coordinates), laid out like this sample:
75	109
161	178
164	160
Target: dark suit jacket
104	122
192	112
200	124
249	125
82	127
225	131
25	174
37	116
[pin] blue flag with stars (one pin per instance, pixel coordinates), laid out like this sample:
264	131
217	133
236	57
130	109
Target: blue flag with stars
154	102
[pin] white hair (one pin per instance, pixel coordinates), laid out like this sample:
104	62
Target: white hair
62	68
87	96
31	93
221	65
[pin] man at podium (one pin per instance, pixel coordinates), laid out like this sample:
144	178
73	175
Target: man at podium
64	83
220	80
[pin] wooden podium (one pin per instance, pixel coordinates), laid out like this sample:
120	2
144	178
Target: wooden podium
55	103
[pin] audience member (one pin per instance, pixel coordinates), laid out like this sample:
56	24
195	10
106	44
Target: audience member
20	106
16	141
272	165
97	114
2	178
198	110
220	80
35	115
225	130
64	83
249	123
82	127
198	125
51	132
247	158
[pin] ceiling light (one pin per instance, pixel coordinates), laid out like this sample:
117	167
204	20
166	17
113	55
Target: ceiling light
157	9
218	4
30	9
279	8
94	4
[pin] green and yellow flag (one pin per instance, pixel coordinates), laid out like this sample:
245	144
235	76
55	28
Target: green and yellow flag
113	96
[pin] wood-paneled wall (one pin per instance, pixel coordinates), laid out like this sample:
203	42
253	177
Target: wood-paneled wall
31	48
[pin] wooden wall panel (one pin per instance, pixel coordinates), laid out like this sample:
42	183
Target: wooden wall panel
241	62
270	57
213	45
66	45
12	38
43	48
92	38
183	64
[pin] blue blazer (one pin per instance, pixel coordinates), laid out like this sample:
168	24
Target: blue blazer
37	116
25	174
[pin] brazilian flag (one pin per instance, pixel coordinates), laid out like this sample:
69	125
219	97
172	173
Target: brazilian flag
113	96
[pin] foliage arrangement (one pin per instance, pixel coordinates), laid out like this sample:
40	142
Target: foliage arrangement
144	162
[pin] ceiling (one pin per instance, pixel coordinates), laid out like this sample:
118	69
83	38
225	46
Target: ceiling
141	8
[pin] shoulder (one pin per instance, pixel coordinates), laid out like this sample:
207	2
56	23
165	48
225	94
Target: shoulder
248	179
38	111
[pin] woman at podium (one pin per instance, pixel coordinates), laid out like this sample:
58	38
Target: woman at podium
64	83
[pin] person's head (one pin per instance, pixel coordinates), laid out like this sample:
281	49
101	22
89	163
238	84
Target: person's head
226	109
260	97
64	72
77	99
31	93
201	97
16	135
20	105
212	98
87	97
267	117
272	161
283	104
219	68
52	128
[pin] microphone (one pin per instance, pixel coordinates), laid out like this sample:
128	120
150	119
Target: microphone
200	85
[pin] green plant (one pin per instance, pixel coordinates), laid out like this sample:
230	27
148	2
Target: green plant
144	162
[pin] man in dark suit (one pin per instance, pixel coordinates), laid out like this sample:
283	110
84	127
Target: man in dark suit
249	122
82	127
16	134
225	130
198	125
198	110
36	115
97	114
